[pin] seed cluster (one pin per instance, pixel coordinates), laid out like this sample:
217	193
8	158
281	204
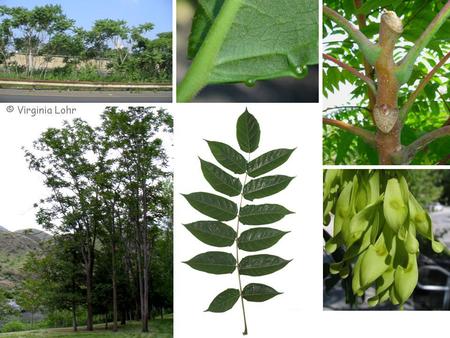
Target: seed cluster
376	222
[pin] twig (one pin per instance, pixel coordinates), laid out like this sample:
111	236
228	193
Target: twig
407	64
407	106
347	107
352	70
444	160
366	135
369	49
408	152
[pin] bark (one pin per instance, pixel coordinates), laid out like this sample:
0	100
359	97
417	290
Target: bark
145	253
113	267
89	278
386	112
74	317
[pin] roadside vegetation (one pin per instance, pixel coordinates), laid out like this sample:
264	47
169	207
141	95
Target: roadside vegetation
43	43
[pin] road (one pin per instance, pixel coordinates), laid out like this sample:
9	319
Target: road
56	96
441	224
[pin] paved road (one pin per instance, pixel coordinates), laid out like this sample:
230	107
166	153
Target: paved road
55	96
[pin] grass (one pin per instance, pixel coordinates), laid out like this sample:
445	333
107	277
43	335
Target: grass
158	329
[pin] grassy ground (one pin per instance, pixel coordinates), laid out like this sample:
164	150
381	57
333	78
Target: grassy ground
158	329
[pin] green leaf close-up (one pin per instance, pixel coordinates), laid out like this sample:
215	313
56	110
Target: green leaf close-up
218	234
243	41
215	262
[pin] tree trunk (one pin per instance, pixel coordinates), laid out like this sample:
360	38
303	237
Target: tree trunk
114	281
386	112
74	317
145	253
89	277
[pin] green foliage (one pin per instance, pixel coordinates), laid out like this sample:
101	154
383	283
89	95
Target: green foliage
46	31
14	326
218	234
373	243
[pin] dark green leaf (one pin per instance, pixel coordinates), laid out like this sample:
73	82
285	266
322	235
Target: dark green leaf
259	238
268	161
248	132
224	301
260	265
262	214
212	205
265	186
255	292
220	180
212	233
228	157
268	39
215	262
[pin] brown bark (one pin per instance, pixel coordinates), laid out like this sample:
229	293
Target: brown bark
386	112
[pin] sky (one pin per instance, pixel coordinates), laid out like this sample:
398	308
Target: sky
20	187
135	12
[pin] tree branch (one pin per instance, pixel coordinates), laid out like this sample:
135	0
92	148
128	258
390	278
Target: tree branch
366	135
369	49
346	107
352	70
408	152
408	104
406	65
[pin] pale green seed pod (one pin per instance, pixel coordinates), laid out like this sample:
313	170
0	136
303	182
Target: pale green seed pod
394	207
373	264
405	279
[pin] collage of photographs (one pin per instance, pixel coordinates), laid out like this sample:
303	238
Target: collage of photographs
224	168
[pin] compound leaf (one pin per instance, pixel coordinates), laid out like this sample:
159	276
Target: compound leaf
212	233
220	180
262	214
215	262
265	186
224	301
259	238
260	265
228	157
268	161
212	205
255	292
248	132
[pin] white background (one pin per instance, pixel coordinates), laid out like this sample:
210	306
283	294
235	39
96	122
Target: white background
282	126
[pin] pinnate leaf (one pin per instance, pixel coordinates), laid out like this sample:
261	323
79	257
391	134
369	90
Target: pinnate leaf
259	238
260	265
262	214
220	180
265	186
224	301
255	292
212	233
215	262
228	157
268	161
248	132
212	205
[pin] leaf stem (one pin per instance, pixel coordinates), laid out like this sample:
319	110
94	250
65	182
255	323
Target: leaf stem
407	106
352	70
406	65
237	254
198	73
370	50
366	135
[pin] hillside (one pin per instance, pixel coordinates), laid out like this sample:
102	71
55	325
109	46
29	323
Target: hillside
14	247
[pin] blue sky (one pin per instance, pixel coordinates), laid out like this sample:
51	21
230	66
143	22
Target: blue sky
135	12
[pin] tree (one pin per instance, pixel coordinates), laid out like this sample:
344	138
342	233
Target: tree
6	37
37	26
63	157
396	73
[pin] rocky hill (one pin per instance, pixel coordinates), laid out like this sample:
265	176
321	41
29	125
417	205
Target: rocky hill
14	247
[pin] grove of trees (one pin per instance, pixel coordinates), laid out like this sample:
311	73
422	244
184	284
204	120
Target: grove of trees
109	209
46	31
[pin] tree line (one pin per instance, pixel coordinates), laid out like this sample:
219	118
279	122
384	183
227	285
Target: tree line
47	31
109	209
